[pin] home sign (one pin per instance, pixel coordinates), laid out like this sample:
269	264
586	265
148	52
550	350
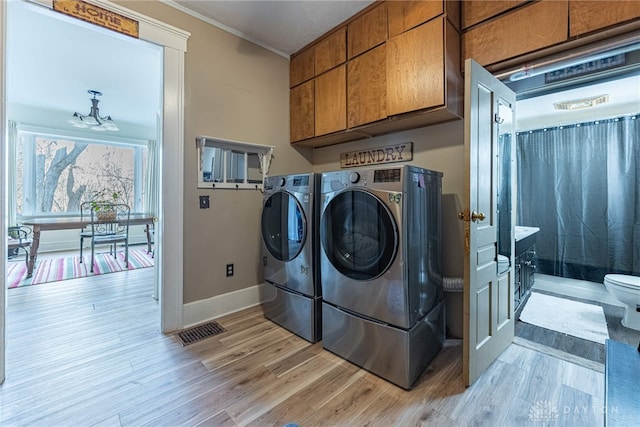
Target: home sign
97	15
377	156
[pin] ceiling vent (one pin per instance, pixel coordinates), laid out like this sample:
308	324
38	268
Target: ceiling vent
576	104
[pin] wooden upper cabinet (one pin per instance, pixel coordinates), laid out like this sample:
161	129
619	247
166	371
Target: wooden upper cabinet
301	111
587	16
331	101
527	29
404	15
367	31
415	68
475	11
301	67
331	51
367	87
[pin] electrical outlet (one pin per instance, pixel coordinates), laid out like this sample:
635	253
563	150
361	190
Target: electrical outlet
204	202
229	270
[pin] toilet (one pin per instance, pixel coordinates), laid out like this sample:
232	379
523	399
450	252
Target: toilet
627	290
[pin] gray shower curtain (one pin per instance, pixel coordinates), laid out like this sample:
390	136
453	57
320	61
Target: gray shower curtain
581	185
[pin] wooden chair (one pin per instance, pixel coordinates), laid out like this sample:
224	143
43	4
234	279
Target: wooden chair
18	238
110	226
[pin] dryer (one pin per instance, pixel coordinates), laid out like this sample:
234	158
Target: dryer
289	228
381	268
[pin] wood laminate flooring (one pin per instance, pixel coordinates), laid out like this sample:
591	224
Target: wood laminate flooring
88	352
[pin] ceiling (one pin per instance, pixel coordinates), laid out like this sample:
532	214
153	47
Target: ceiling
283	27
67	57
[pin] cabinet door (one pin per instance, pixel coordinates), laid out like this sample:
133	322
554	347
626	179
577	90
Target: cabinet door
415	68
331	51
331	101
404	15
367	87
527	29
587	16
477	11
367	31
301	111
302	67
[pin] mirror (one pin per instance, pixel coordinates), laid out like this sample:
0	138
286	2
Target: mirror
503	196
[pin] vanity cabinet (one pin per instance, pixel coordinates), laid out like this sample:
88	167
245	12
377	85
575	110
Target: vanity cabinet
525	263
524	275
388	82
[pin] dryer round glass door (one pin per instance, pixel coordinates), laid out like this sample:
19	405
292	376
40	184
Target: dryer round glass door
284	226
359	235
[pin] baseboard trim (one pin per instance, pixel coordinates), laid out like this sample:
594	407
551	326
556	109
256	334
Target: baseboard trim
195	313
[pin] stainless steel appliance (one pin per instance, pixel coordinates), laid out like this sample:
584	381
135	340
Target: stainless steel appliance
381	269
290	253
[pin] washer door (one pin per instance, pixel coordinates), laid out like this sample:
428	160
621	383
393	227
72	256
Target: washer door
359	235
284	226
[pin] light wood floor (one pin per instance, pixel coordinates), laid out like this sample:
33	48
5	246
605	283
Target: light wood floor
89	353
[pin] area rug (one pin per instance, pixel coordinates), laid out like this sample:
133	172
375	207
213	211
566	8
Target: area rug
569	317
56	269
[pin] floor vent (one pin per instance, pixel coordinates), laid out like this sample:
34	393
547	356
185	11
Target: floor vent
200	332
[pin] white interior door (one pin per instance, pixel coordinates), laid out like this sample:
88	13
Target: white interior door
488	297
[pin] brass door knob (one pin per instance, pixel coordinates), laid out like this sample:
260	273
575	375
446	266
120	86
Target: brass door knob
477	216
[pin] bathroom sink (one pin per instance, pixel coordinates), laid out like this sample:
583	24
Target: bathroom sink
525	238
523	232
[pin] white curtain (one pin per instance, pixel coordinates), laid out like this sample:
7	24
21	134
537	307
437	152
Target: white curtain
12	140
153	188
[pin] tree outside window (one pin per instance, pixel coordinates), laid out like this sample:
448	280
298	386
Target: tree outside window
57	174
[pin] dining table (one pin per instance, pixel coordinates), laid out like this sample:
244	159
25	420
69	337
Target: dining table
40	224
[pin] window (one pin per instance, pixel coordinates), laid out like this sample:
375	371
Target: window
56	173
232	164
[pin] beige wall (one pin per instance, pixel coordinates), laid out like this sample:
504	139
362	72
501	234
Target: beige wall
233	90
236	90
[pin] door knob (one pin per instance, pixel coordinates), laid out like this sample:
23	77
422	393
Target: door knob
477	216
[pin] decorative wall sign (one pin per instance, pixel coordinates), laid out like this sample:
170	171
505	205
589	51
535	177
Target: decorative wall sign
97	15
377	156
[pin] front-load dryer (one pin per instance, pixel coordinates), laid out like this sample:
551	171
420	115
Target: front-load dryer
290	253
381	268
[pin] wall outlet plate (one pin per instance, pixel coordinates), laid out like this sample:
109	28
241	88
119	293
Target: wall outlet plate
229	270
204	202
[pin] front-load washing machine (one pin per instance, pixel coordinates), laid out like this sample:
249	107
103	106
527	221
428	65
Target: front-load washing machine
290	253
381	269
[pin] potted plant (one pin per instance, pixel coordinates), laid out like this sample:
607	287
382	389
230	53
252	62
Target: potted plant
101	202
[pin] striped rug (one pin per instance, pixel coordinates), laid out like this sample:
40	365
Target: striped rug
56	269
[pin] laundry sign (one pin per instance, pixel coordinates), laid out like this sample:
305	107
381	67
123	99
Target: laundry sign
97	15
377	156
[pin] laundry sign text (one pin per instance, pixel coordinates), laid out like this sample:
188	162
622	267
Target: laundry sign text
377	156
98	15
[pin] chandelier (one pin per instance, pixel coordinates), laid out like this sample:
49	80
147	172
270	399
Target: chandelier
93	120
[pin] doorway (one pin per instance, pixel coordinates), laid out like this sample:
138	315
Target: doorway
576	135
60	155
174	42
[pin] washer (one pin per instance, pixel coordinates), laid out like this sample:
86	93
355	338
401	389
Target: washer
381	269
290	253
